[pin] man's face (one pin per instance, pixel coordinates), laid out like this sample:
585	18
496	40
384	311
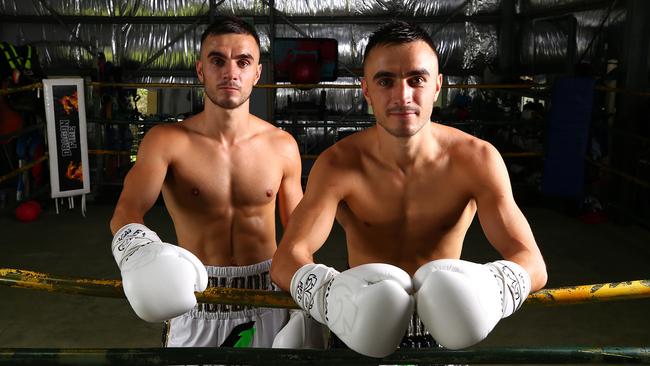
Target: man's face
228	68
401	83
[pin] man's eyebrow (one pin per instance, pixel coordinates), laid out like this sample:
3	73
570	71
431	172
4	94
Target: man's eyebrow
216	54
388	74
244	55
383	74
222	55
418	72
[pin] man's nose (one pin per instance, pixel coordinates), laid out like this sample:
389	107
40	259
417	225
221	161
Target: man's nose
403	93
231	71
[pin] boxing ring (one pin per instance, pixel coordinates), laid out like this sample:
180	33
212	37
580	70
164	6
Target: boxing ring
570	295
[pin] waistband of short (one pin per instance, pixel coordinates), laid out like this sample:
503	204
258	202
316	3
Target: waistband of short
237	271
245	313
255	277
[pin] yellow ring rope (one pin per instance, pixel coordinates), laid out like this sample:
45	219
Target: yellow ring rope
18	278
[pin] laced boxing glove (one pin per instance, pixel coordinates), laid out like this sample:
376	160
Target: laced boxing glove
460	302
368	307
159	279
302	332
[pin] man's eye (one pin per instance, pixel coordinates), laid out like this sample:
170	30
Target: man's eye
384	82
243	63
418	80
217	61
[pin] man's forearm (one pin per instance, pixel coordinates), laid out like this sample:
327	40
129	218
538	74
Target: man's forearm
284	266
122	217
534	265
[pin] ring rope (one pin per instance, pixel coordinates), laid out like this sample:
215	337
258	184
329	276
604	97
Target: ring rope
19	89
23	168
314	86
268	356
324	86
25	279
22	131
625	176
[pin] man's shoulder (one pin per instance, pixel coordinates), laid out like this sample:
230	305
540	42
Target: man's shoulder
163	133
275	142
274	136
346	153
164	139
354	144
470	151
463	143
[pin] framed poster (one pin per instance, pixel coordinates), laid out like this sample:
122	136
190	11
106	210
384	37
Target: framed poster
65	111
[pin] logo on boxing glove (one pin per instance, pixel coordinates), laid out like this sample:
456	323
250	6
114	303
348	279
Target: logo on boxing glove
513	282
299	292
310	283
127	237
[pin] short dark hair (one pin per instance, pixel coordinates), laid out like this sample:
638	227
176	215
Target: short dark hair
228	25
395	33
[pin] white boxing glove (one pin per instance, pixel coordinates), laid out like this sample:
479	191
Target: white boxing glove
460	302
368	307
302	332
159	279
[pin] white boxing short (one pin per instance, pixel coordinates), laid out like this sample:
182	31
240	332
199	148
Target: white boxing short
220	325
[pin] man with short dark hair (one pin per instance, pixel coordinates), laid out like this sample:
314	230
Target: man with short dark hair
405	191
219	172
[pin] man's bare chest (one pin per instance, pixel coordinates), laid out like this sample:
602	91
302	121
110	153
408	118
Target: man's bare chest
427	203
225	180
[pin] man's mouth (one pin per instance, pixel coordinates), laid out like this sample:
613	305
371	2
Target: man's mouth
403	113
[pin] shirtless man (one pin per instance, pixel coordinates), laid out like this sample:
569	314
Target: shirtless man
220	172
405	191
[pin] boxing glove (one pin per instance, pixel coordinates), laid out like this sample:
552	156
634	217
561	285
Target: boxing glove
368	307
159	279
460	302
302	332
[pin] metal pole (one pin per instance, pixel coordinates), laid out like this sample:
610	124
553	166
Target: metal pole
160	51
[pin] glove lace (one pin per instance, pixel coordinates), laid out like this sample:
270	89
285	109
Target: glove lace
131	241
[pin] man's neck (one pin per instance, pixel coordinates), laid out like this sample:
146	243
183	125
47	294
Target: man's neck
225	125
405	153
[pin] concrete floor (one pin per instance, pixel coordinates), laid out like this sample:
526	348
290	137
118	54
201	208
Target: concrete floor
69	245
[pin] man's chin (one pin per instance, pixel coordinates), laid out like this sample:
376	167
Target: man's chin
229	104
403	131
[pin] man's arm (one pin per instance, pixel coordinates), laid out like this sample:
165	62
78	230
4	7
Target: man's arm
290	191
310	223
460	302
382	290
501	219
143	182
159	279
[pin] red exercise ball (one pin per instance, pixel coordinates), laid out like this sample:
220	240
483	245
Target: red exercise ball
305	72
28	211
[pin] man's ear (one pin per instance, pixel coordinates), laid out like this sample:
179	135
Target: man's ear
259	73
438	87
199	70
364	90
